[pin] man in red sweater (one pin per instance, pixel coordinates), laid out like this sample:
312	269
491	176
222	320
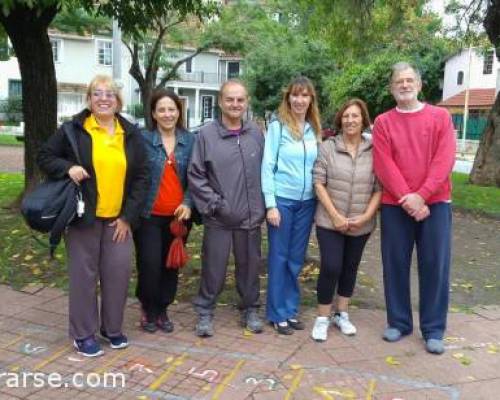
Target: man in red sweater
414	153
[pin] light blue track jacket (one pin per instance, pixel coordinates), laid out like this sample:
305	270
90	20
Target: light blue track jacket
288	172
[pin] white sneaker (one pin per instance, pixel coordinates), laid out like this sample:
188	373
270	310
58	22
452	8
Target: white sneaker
341	321
320	329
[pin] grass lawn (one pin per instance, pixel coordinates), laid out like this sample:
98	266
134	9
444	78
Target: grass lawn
475	198
24	256
10	140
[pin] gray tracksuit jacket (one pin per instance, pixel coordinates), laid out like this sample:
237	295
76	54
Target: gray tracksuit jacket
224	176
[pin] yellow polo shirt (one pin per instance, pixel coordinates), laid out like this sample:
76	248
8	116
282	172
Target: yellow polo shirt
110	165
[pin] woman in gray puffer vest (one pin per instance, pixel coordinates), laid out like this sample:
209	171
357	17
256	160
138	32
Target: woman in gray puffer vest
349	196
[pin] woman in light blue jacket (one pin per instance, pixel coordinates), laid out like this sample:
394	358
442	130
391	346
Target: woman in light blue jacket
290	150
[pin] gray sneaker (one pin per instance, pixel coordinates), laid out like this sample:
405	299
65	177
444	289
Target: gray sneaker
205	326
250	320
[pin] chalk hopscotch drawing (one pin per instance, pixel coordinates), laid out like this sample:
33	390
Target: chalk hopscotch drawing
257	380
29	349
208	375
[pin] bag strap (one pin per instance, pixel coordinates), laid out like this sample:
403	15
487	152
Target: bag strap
72	141
279	146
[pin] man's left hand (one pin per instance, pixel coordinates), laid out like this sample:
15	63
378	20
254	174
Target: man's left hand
412	203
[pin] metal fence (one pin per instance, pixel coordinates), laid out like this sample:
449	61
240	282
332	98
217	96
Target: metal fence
202	77
475	126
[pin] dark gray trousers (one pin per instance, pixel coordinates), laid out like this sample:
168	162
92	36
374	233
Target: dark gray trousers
215	255
92	257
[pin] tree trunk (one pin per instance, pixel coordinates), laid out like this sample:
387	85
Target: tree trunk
27	30
486	168
146	94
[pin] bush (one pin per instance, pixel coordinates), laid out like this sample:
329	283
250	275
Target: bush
12	108
136	110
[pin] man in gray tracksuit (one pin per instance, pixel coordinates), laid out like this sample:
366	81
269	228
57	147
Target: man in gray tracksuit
224	180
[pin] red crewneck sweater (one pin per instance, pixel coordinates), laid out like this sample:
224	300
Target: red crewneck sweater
414	152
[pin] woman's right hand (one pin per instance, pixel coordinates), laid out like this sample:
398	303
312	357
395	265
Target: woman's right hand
273	216
340	223
77	173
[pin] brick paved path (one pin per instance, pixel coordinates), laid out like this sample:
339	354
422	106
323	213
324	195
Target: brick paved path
234	365
11	159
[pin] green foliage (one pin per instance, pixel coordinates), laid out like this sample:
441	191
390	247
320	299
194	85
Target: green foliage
271	66
12	108
273	52
136	18
77	20
369	79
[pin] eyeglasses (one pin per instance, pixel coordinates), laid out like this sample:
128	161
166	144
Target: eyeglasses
107	94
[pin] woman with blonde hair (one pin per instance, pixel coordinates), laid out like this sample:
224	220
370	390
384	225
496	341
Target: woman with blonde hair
114	178
290	151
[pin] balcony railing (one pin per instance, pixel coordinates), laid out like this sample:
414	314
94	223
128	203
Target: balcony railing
204	77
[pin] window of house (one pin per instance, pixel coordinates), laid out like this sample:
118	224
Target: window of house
104	52
15	88
276	16
460	77
233	69
189	65
488	63
56	50
207	103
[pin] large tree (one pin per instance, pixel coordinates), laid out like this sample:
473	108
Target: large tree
486	168
26	24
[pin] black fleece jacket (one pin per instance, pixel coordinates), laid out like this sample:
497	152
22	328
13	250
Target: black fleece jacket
56	157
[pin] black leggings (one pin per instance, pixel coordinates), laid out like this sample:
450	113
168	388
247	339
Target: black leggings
156	284
340	257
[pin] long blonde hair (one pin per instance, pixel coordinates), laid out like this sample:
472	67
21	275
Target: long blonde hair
286	116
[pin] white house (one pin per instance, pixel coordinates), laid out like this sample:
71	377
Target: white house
78	58
474	73
199	80
483	71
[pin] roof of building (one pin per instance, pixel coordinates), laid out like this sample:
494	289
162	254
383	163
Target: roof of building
477	98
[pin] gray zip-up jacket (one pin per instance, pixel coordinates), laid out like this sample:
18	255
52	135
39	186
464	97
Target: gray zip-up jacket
224	176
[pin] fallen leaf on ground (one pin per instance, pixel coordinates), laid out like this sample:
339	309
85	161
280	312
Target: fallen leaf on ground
392	361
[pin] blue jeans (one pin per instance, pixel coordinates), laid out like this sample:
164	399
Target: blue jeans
432	236
287	250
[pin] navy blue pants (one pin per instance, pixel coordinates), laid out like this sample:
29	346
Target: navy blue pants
287	249
432	236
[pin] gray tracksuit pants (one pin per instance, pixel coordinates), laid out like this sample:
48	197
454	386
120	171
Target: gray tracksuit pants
92	257
215	255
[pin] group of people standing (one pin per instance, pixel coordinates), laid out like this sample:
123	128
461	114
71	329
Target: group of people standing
135	184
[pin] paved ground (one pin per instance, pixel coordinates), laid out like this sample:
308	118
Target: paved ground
235	365
11	159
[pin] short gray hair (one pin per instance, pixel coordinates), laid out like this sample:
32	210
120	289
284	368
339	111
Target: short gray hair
403	66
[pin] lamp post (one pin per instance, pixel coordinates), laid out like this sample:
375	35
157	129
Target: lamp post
466	102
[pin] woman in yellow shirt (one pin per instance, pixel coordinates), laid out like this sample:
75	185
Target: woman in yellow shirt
114	178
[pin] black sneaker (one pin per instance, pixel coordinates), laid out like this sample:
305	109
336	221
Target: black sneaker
148	324
88	347
164	323
296	324
283	328
115	342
